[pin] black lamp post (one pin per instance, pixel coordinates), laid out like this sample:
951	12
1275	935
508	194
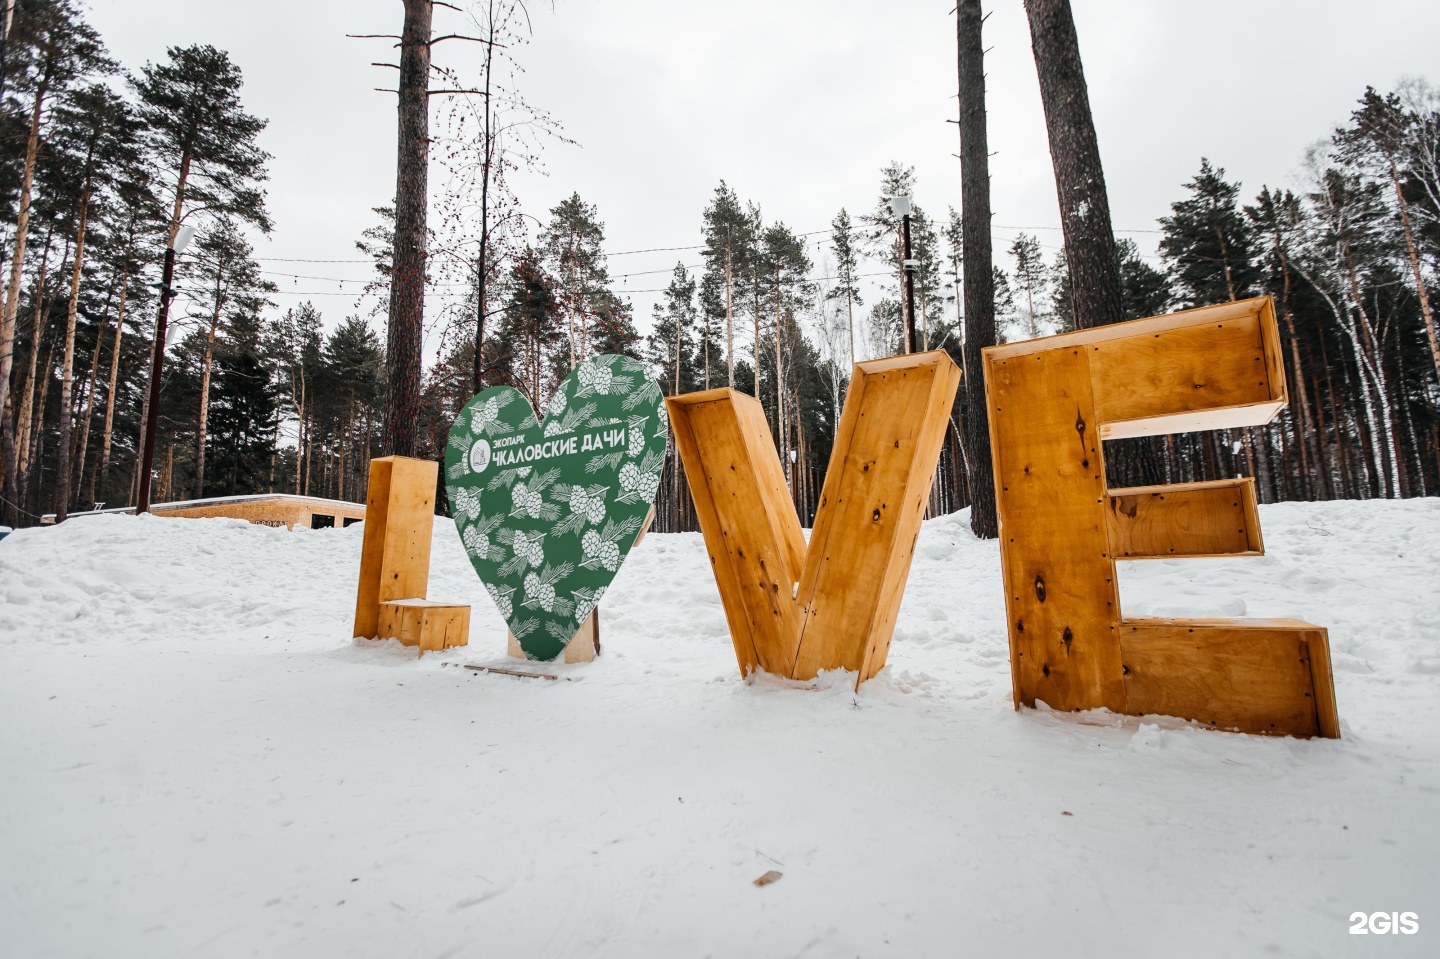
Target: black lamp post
900	206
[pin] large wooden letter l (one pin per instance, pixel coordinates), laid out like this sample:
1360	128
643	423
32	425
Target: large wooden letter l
1051	403
794	611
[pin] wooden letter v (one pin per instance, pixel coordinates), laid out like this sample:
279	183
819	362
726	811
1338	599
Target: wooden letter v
794	611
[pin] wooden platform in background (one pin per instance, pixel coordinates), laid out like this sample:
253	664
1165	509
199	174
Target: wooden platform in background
264	509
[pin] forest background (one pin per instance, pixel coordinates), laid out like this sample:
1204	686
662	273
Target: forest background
274	381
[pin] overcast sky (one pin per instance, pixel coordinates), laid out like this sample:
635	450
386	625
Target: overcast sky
797	103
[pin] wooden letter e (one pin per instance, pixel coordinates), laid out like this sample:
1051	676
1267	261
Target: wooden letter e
1051	403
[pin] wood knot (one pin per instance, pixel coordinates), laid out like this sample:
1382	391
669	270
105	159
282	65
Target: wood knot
1040	588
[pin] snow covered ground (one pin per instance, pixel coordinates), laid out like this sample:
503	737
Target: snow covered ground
196	760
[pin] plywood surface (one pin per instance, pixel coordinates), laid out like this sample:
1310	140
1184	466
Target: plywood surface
1051	402
395	554
426	625
793	611
1185	520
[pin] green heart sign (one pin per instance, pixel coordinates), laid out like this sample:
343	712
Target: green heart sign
547	513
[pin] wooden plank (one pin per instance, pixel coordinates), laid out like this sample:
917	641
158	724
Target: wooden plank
1062	601
395	555
506	671
873	501
1185	520
409	521
1213	367
1251	675
372	550
918	482
751	531
1322	683
1144	380
425	624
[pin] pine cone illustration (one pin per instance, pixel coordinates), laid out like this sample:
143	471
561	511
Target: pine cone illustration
467	504
501	596
601	551
526	502
538	593
476	542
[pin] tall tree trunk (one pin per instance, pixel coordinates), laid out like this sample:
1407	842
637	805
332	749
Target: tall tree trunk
850	321
204	419
729	317
779	382
87	411
757	334
979	270
37	333
488	156
407	281
12	298
18	421
102	472
1090	250
1097	294
67	368
35	467
1415	267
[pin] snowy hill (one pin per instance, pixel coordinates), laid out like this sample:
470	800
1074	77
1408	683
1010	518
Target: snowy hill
196	760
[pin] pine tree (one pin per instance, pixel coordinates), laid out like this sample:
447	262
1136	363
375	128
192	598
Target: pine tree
127	244
353	382
847	263
1206	242
1146	289
294	342
571	245
1031	289
613	328
930	292
532	332
56	48
1380	133
94	130
224	272
671	345
728	235
781	277
202	141
245	414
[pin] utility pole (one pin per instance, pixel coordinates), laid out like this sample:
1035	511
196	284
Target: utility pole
157	365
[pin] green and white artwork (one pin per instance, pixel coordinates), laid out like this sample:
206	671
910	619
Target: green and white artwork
548	511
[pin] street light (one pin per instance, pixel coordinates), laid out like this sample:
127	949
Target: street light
900	206
157	364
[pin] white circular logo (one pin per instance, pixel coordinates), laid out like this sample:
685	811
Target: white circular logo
479	456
